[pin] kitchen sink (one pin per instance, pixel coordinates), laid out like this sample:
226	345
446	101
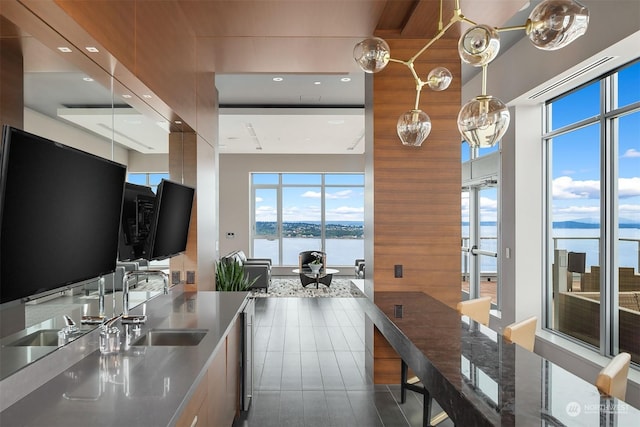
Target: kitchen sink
171	337
42	338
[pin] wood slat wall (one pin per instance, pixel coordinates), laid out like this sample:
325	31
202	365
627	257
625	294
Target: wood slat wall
416	189
11	75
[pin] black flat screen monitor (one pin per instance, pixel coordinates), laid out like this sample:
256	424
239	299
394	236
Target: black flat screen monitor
170	223
59	212
137	213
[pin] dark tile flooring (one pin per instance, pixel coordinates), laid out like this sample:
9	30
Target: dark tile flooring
310	369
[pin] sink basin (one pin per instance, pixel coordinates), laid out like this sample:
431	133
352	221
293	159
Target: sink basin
171	337
42	338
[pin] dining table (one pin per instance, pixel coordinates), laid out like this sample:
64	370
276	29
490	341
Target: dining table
478	377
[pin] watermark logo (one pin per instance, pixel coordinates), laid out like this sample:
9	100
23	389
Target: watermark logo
573	409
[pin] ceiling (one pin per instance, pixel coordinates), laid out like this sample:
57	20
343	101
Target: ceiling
303	112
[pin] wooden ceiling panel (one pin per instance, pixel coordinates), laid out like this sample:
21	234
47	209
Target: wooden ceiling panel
277	55
278	18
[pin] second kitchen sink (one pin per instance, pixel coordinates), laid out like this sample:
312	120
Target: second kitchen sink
171	337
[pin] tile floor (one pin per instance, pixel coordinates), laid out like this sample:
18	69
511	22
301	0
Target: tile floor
310	369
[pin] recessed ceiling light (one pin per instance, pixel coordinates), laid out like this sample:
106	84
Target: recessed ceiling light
278	79
64	49
317	83
126	95
345	79
92	49
87	79
146	96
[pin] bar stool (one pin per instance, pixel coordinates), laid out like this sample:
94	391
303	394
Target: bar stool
522	333
478	310
612	379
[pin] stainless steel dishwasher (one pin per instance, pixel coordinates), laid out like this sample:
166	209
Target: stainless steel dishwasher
246	368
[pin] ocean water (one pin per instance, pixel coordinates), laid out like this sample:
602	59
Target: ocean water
345	251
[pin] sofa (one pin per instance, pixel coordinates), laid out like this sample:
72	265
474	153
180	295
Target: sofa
259	268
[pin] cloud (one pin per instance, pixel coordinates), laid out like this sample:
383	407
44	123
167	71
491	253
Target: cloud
259	199
344	194
631	153
629	187
565	187
348	210
311	194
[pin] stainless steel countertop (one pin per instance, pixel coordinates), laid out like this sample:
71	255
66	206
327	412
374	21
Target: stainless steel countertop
139	386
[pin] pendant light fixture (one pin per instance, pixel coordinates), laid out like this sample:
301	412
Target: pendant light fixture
482	121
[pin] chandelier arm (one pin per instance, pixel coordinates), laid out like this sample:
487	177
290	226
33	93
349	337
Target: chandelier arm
418	91
437	37
512	28
484	79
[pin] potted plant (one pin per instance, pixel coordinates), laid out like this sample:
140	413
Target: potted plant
230	276
316	264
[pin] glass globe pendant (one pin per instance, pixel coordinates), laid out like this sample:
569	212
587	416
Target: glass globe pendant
413	127
439	79
479	45
553	24
483	121
372	54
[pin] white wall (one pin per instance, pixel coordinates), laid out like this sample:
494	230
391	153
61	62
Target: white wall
614	29
54	130
235	203
148	163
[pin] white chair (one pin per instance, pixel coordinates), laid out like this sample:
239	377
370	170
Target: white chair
612	379
522	333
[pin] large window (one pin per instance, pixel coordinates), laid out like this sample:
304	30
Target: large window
592	145
480	224
295	212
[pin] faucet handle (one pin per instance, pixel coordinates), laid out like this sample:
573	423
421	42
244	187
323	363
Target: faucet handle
70	325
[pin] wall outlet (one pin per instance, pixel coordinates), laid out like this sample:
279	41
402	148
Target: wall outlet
397	311
397	270
176	277
191	277
231	235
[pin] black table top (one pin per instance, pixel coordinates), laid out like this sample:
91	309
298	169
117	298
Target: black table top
479	378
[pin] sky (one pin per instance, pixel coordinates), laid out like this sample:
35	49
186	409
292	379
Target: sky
344	197
576	158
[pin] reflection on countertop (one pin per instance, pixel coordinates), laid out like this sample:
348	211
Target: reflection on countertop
138	374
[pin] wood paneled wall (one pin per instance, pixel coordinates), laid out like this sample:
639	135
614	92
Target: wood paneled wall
416	189
183	157
11	75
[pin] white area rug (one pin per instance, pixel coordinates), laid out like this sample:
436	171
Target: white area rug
291	287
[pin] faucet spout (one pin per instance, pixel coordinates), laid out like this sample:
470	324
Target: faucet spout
126	317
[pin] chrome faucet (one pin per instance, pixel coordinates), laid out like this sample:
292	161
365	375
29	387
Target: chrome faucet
138	318
69	332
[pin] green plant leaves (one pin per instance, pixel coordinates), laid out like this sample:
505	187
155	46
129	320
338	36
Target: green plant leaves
230	276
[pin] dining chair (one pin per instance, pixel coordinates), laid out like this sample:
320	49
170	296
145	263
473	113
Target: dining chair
522	333
612	379
477	309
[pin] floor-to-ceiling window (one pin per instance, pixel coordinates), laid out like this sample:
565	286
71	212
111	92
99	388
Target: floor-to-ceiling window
592	145
480	223
294	212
